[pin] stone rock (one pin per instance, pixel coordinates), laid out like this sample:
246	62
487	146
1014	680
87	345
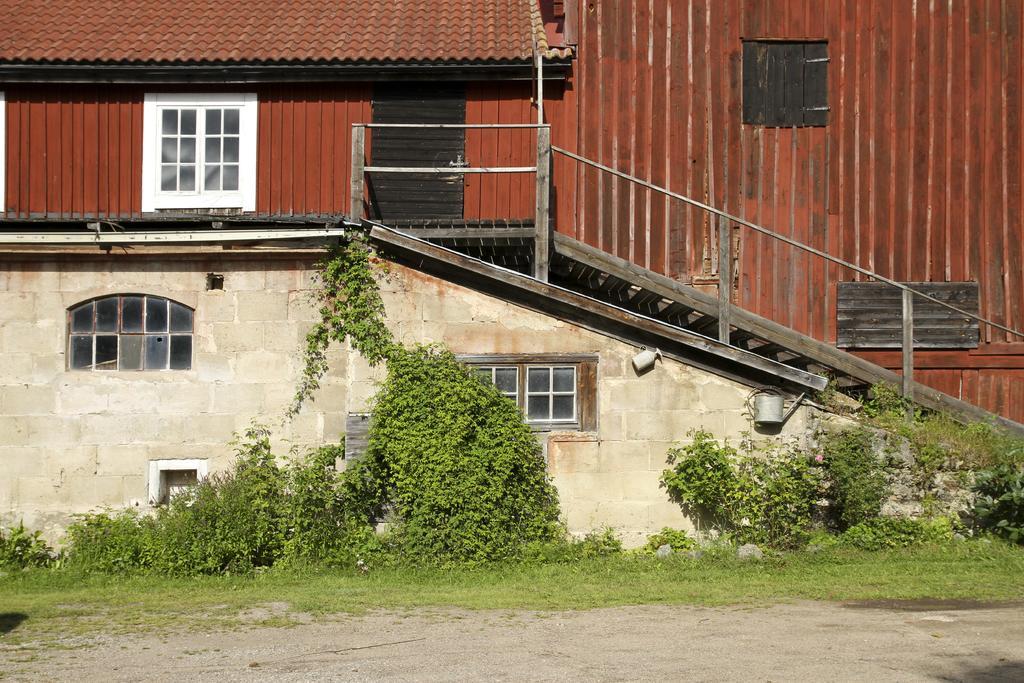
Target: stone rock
749	552
959	537
664	550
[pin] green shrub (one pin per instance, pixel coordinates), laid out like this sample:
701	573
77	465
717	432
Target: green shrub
678	539
856	474
757	499
111	542
1000	504
600	543
462	471
20	548
885	533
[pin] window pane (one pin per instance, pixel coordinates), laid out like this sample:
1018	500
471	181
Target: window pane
168	178
156	352
170	121
188	179
169	150
106	315
538	379
188	150
156	314
81	352
181	318
506	379
106	352
131	314
188	121
231	177
131	352
484	374
231	150
81	318
563	408
213	121
537	407
181	352
231	121
212	178
565	379
212	150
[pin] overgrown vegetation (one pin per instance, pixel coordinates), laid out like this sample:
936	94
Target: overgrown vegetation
856	476
21	549
1000	503
756	498
887	533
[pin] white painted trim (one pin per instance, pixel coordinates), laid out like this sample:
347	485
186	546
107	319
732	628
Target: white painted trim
3	152
157	466
245	197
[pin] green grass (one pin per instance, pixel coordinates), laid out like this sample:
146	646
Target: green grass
64	608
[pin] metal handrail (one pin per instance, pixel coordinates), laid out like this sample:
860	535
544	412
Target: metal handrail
783	238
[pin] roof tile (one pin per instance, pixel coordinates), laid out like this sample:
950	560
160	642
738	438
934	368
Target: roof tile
259	31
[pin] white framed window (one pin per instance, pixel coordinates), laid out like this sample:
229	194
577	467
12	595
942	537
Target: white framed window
551	393
168	478
3	152
199	151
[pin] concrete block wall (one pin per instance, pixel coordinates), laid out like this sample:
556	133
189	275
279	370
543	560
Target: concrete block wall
73	441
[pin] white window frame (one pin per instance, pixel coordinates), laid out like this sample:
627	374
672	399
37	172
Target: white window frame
244	198
3	152
157	467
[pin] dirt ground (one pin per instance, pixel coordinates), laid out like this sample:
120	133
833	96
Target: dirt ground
802	641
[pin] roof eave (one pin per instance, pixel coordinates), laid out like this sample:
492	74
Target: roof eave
192	72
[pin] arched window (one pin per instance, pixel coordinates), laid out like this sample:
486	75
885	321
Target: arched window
130	332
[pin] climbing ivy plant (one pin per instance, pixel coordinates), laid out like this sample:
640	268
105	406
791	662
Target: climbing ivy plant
449	457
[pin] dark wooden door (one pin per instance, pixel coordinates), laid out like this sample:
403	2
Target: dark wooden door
410	196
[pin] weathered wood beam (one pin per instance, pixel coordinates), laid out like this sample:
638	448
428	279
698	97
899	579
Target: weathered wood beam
586	310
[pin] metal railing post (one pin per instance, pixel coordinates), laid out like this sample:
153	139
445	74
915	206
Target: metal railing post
542	219
356	191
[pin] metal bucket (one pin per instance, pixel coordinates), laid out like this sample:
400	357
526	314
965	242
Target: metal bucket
768	409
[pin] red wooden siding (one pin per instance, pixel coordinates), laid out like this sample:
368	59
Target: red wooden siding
917	175
504	195
73	151
76	152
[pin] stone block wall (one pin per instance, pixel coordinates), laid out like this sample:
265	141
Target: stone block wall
74	441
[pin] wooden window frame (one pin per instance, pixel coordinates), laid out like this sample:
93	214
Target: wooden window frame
3	151
586	384
244	198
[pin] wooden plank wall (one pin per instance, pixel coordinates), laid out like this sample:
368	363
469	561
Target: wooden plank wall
917	175
500	196
75	151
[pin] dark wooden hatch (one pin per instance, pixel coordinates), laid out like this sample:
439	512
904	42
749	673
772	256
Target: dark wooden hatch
417	195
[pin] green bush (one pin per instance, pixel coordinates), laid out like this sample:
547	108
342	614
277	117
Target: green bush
20	548
1000	504
768	499
885	533
678	539
462	471
856	475
112	542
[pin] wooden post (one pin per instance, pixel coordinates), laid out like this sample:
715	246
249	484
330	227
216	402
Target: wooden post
542	221
908	349
724	280
358	173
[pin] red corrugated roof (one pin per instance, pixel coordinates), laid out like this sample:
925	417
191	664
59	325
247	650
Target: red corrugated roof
255	31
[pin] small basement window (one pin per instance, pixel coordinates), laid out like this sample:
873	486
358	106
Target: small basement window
785	83
554	392
130	332
170	478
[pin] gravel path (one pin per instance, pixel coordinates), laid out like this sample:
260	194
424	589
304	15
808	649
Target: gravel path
801	641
